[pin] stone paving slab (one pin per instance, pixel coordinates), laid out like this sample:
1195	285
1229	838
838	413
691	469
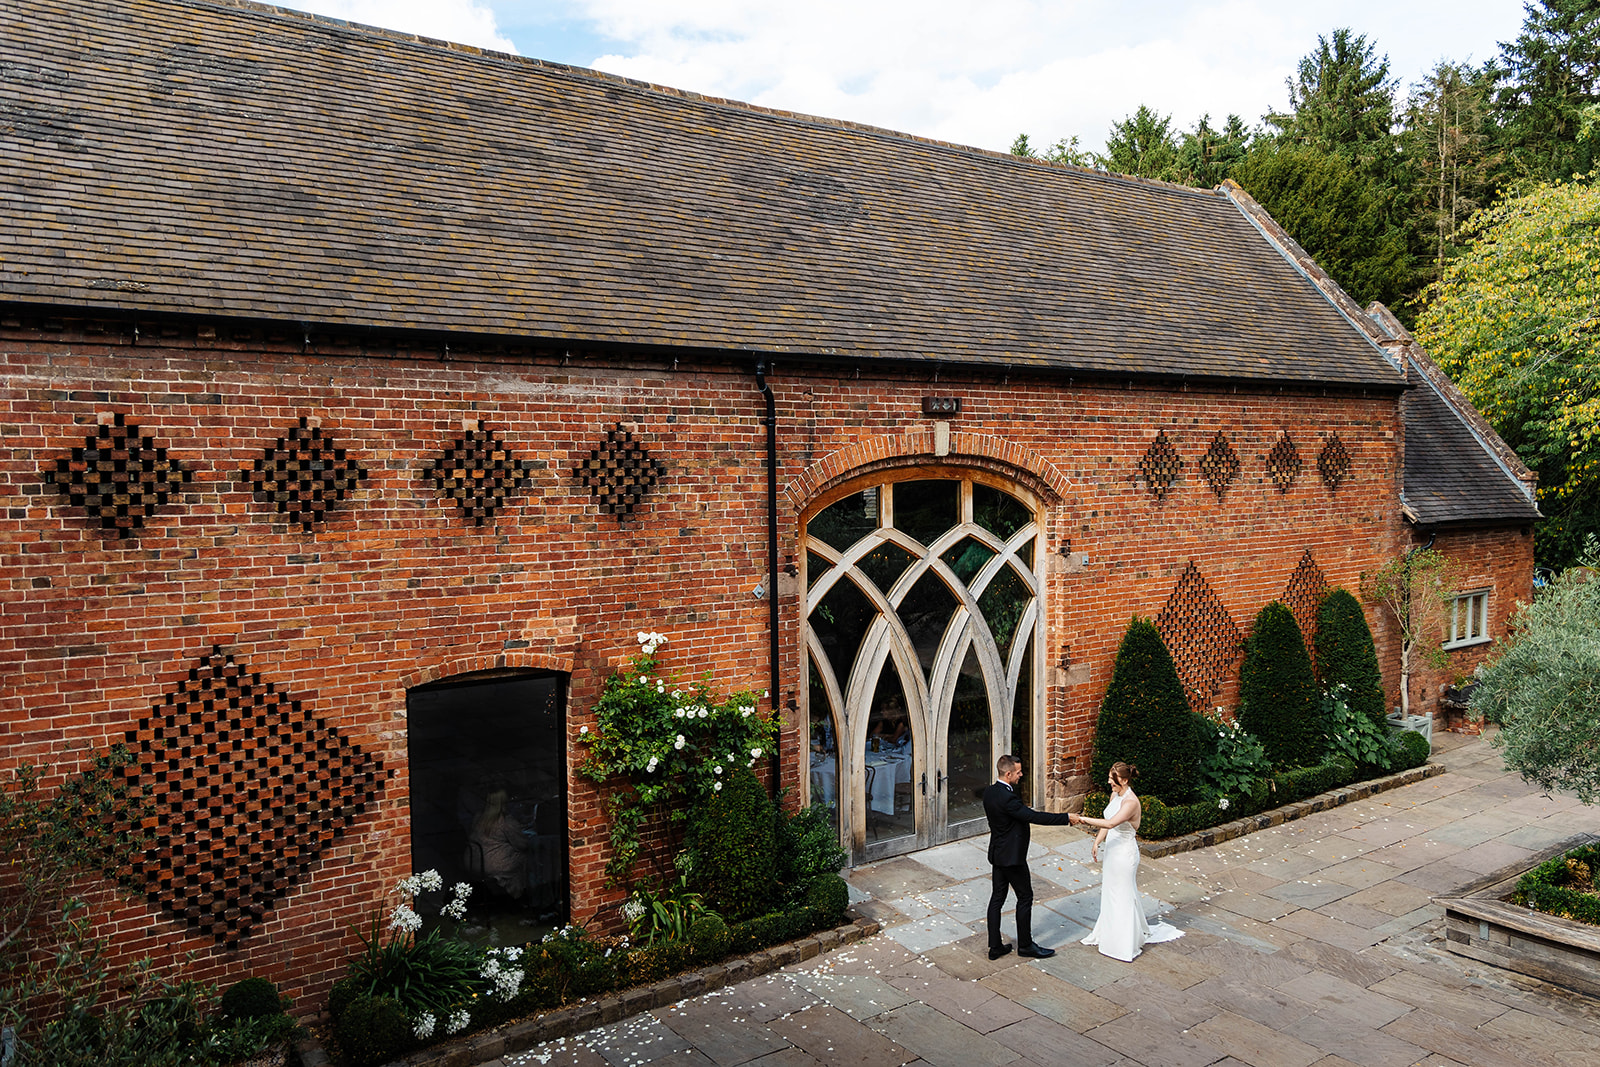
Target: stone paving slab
1312	943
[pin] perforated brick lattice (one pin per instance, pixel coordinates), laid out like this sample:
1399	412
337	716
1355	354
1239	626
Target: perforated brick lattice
1220	464
247	790
304	475
1201	635
1303	595
1160	465
1283	464
1334	462
619	472
119	476
478	473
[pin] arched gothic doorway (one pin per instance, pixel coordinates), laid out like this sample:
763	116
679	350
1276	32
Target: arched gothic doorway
922	624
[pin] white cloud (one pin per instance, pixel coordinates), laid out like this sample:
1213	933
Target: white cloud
463	21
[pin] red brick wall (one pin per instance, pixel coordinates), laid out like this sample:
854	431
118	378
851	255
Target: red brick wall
1499	559
397	589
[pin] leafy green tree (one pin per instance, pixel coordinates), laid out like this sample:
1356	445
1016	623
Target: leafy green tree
1145	719
1449	148
1278	698
1342	101
1347	656
1207	155
1543	688
1545	80
1336	214
1414	589
1142	144
1513	323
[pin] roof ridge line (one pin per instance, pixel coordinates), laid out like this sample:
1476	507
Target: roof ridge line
684	94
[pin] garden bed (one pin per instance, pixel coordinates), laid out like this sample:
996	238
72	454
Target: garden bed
1480	923
613	1007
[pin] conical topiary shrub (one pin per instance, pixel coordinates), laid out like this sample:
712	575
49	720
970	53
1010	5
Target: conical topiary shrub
1278	698
1145	719
1345	654
734	840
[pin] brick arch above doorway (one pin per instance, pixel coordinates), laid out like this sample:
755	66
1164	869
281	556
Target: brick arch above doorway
891	450
556	652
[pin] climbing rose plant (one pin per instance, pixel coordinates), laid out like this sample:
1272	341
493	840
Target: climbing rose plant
662	744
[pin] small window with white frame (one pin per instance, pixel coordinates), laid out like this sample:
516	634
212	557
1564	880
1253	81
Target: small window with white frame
1469	619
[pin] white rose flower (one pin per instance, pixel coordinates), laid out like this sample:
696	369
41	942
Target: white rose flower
679	742
583	729
1223	803
756	752
717	787
717	769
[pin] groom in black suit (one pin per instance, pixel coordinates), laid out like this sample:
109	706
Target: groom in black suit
1008	853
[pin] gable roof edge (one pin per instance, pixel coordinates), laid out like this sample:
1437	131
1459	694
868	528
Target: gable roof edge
1302	262
1519	473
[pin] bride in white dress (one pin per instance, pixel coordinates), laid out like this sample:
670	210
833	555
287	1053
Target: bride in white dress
1122	931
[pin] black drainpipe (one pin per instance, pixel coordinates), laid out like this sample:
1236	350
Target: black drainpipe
772	532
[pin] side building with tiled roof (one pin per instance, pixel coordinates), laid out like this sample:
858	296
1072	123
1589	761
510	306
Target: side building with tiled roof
365	396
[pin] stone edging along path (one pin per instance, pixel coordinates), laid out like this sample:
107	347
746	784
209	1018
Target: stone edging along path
614	1007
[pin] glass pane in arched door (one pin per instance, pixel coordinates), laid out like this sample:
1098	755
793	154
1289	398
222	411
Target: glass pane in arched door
921	612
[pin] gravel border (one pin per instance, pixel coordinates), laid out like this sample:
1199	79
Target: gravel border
613	1007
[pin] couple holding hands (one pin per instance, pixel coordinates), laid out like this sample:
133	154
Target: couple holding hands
1122	930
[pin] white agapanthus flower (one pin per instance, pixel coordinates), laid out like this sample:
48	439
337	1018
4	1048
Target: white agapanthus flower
1223	803
457	908
424	1025
459	1020
632	910
404	919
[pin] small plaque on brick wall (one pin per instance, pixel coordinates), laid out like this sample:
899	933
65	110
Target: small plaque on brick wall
119	476
247	790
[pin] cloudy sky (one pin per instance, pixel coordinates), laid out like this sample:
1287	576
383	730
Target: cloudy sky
967	71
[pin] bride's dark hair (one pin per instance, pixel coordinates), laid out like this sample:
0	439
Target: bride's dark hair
1124	772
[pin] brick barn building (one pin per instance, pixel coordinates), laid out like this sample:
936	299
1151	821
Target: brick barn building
363	396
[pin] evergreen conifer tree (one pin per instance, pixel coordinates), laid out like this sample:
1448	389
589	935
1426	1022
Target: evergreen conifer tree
1145	719
1345	653
1278	699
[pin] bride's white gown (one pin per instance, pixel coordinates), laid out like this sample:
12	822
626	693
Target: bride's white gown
1121	931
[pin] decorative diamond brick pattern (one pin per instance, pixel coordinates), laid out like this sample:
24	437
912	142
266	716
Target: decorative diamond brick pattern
1160	465
247	790
119	476
1334	462
304	475
1220	464
479	474
1303	595
1283	463
619	472
1200	634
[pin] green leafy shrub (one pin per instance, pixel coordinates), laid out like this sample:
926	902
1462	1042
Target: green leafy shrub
1346	655
1297	783
659	744
1563	886
734	844
664	915
808	847
373	1030
1146	720
1235	764
1411	750
344	990
708	937
1278	698
252	998
651	963
828	897
1153	817
1354	736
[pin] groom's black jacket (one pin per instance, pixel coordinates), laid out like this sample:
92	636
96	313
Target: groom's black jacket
1008	824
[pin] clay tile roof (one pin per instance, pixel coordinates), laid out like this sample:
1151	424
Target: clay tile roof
225	158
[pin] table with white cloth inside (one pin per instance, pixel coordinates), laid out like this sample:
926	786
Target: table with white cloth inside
885	770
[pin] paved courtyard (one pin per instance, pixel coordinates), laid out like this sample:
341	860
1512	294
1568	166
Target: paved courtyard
1312	943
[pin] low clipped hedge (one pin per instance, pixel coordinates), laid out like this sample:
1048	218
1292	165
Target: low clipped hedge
1563	886
1160	819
